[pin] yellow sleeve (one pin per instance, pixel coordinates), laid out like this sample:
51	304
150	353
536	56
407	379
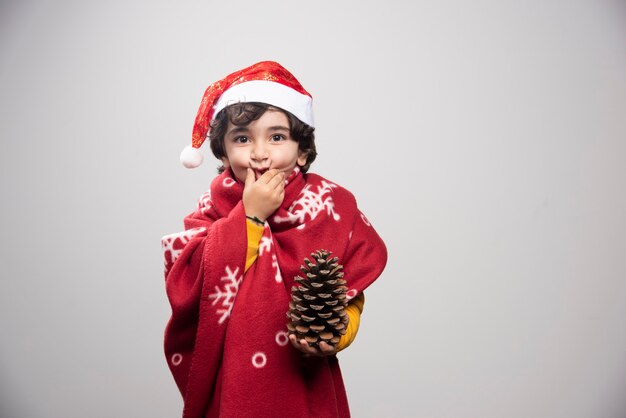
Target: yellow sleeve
354	310
255	232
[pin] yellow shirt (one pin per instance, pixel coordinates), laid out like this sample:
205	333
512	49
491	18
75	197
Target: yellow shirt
354	308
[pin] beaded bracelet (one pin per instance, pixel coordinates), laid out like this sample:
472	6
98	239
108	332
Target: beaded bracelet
256	220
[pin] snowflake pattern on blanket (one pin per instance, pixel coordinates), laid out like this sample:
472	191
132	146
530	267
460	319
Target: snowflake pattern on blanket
226	342
309	204
226	293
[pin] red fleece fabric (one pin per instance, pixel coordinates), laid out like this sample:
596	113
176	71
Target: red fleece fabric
226	343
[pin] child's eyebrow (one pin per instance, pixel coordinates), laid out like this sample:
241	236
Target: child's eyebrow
278	128
238	130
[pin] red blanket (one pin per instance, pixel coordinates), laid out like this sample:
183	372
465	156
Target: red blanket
226	342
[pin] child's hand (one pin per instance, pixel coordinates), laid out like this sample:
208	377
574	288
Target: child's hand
324	350
263	196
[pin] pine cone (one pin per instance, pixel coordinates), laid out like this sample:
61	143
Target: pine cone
317	311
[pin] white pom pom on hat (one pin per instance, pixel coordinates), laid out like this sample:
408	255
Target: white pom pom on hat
191	157
264	82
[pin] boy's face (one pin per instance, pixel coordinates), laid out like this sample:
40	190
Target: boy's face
263	144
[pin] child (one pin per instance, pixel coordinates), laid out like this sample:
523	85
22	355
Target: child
229	274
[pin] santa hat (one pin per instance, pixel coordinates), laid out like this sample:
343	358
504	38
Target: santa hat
265	82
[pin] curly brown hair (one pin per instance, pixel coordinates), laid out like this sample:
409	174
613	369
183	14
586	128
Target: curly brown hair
241	114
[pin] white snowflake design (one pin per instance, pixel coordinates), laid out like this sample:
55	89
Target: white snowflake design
227	293
310	203
174	244
204	203
265	247
277	276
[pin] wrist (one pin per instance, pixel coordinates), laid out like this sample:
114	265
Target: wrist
256	220
253	210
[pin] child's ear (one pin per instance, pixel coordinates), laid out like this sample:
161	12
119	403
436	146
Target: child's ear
302	155
225	162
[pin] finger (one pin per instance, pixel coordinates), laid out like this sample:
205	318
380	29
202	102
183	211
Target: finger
326	348
249	177
277	181
269	175
303	343
308	349
305	347
294	341
279	196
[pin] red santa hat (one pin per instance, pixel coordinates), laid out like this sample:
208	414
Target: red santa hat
265	82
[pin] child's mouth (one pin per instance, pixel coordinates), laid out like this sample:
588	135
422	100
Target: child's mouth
258	172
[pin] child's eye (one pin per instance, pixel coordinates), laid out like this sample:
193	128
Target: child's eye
241	140
278	137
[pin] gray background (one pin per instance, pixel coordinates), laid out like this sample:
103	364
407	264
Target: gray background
485	140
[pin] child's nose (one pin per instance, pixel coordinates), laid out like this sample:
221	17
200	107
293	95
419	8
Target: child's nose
259	152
